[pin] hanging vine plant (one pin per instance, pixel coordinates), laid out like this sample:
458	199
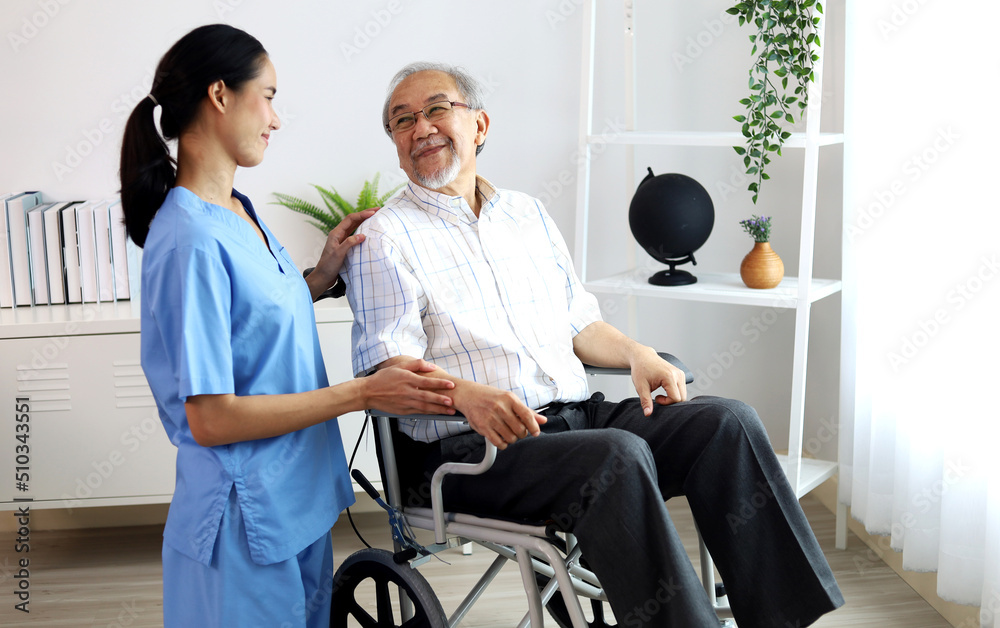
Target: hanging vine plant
783	45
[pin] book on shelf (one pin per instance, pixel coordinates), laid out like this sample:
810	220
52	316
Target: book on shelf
6	284
71	253
37	264
16	223
119	250
134	255
64	252
52	219
87	240
102	252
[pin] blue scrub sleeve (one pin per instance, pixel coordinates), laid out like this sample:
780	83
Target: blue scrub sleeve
194	303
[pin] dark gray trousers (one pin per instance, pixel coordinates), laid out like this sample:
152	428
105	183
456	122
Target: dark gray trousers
602	471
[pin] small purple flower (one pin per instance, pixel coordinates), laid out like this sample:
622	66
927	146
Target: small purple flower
759	227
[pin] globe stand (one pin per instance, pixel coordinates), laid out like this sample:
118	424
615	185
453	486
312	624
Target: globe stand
674	277
671	216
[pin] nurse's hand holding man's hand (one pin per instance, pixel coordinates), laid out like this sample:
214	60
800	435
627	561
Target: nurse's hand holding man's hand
407	388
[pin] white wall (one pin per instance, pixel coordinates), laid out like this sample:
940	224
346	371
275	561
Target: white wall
72	69
78	77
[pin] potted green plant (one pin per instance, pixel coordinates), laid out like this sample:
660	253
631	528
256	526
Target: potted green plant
761	268
783	49
337	207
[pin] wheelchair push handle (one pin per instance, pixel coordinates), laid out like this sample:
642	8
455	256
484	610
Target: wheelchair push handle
360	478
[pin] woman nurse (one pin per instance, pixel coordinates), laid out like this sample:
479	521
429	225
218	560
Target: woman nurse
231	353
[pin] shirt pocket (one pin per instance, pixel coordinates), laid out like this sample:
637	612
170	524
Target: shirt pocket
463	284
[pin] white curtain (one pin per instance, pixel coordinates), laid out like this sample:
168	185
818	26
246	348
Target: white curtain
920	442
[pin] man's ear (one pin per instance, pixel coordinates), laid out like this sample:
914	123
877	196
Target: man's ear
218	95
482	126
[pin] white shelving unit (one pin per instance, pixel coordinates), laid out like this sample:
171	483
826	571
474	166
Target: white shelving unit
717	288
796	293
698	138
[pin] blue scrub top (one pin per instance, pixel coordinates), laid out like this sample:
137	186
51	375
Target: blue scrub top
220	313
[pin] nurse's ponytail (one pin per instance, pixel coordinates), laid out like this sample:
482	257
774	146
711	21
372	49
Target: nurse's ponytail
200	58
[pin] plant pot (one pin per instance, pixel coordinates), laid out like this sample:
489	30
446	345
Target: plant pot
762	268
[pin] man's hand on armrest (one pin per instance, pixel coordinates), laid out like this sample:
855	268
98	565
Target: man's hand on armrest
501	417
650	372
600	344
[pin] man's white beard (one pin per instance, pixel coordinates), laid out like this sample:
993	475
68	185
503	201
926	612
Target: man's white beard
442	177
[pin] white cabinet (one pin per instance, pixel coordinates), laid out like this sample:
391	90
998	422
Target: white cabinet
94	437
797	292
93	434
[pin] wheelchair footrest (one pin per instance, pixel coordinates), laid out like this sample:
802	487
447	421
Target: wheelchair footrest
404	556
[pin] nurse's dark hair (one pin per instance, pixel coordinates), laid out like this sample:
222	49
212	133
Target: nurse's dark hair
147	170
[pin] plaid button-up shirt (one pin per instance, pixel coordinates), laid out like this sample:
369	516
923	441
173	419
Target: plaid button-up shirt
492	299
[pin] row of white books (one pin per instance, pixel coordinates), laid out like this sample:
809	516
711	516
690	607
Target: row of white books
63	252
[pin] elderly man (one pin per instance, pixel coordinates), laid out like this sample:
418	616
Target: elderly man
479	281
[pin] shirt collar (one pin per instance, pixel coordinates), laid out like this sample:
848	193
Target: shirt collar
452	208
237	226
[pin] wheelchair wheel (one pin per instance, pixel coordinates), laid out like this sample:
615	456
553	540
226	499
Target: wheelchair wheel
370	578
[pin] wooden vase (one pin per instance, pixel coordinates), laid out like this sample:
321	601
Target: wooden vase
762	268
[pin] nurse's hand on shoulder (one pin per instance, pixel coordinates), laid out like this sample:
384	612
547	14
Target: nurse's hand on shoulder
338	243
407	388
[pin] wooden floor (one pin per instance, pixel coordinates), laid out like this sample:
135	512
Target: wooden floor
112	577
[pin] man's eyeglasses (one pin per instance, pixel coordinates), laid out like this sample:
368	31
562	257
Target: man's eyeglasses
433	112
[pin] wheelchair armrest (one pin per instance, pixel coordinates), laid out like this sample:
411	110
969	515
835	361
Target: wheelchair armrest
448	468
458	416
601	370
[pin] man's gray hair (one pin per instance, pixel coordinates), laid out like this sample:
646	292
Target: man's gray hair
469	87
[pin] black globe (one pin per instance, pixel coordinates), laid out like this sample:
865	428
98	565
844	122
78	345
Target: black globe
671	216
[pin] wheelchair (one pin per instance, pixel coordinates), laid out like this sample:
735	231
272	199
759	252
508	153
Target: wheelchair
552	569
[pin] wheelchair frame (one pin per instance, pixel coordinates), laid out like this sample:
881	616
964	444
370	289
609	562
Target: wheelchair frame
533	547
